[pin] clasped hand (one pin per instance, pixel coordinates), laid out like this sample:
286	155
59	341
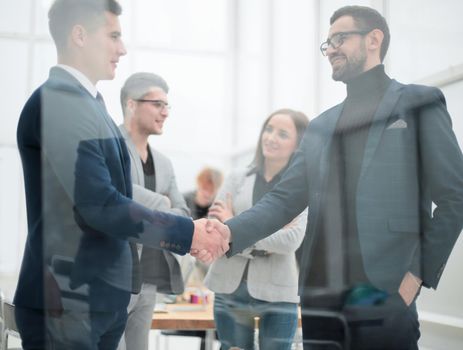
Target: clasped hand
211	240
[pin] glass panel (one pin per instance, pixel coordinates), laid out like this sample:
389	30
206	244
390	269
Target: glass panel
252	102
186	24
294	56
419	45
41	17
12	211
127	19
13	86
44	59
252	27
15	16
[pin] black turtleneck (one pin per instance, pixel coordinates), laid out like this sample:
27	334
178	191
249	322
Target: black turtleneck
364	93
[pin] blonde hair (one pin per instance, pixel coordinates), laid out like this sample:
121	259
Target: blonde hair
209	177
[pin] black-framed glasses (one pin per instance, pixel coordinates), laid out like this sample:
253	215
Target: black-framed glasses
160	104
338	39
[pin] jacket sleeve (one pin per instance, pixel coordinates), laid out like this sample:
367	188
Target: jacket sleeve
150	199
287	239
80	151
442	182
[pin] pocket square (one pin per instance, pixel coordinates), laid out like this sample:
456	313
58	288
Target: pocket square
398	124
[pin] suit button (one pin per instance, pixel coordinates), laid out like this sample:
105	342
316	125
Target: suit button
162	244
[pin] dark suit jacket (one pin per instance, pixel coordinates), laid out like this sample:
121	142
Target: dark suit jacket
411	160
78	192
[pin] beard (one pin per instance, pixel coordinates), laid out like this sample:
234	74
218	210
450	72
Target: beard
353	66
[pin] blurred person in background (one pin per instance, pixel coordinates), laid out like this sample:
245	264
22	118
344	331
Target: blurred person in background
208	182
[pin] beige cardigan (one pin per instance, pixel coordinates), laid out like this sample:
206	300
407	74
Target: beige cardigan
271	278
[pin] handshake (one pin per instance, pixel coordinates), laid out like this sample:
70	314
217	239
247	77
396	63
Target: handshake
211	240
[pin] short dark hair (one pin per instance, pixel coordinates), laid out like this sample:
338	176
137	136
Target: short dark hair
65	14
300	121
366	19
138	85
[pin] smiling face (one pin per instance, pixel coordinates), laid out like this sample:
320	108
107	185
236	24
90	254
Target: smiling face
350	59
148	117
101	49
279	138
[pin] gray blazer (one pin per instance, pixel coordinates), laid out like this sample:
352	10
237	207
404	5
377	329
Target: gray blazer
411	161
271	278
167	198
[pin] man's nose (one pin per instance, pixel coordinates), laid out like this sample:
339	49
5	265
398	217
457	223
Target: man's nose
122	49
330	51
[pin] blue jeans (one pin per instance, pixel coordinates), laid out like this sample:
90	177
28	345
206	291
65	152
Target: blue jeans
234	318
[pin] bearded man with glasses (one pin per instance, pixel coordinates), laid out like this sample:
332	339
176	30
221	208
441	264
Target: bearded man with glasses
369	169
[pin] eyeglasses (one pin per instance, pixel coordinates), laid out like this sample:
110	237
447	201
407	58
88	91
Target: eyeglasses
157	103
338	39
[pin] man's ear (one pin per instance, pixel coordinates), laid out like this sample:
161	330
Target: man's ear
130	107
375	39
78	35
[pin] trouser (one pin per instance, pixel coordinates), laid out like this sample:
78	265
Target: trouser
73	330
93	324
234	316
391	325
140	316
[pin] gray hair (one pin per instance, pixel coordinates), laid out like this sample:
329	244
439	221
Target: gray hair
139	84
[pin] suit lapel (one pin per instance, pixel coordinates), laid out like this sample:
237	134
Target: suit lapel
326	136
60	76
380	118
122	147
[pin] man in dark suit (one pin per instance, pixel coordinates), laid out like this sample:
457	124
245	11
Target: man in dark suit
369	170
76	276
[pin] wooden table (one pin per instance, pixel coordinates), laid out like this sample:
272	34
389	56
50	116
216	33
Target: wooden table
187	317
184	317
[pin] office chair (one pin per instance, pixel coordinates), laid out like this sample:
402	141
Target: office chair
338	324
8	322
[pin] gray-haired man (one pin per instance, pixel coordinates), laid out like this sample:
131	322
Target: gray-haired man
145	108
